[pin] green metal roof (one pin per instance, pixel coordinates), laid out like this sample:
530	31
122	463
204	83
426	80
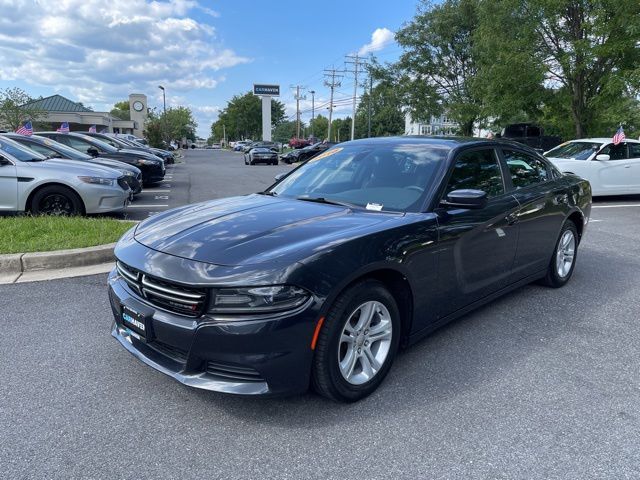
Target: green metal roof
57	103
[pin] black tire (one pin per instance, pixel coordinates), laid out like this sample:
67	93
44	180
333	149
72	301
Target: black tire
553	278
327	379
56	200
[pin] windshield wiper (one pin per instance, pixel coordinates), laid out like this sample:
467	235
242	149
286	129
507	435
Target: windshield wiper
327	201
271	194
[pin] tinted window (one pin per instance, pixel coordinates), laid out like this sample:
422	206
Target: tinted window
392	177
634	150
20	152
615	152
477	170
74	142
526	169
41	149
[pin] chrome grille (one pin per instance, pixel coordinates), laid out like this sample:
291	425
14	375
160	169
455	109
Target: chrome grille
162	294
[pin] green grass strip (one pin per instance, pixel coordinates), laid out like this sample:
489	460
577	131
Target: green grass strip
43	234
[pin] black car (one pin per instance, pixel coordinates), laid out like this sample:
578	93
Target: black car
52	149
306	153
361	250
261	155
121	142
262	144
151	166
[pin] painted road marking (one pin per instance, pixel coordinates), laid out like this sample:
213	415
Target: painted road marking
161	197
155	191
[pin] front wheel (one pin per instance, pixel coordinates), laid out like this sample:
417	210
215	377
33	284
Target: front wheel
357	343
564	257
56	201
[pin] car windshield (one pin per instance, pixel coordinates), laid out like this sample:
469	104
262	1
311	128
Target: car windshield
19	152
98	143
574	150
62	149
386	177
261	150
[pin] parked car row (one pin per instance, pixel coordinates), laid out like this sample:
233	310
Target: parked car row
60	173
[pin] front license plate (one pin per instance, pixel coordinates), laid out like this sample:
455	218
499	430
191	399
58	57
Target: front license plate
134	320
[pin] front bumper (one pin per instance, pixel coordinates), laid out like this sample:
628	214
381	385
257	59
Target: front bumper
100	199
152	173
249	357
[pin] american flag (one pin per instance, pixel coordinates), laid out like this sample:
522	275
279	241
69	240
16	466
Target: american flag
64	128
619	136
26	129
92	129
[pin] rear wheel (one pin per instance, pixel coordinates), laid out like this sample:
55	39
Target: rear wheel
57	201
564	257
357	343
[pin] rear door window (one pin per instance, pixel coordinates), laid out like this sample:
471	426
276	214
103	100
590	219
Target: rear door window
525	169
616	152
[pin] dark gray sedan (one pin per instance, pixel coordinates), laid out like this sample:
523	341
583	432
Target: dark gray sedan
261	155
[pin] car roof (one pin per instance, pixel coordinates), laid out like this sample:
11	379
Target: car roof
447	142
601	140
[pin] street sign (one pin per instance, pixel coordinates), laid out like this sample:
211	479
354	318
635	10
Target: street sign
271	90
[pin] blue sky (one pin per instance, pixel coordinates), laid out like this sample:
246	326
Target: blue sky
203	52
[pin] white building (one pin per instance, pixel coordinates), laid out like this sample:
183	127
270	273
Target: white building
437	126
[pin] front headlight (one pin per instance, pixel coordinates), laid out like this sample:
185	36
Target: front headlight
98	180
271	299
127	173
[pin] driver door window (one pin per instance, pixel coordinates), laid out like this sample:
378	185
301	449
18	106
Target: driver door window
477	170
616	152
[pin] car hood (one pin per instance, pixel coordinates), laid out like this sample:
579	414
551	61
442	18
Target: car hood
140	153
112	163
254	229
76	167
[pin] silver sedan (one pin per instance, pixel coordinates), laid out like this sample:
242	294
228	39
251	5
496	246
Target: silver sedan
31	182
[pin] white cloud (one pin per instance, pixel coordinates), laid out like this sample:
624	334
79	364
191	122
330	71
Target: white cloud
380	38
101	51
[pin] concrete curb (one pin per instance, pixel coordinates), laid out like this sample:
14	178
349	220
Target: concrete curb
15	266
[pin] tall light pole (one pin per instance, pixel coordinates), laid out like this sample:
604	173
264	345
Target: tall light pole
313	94
164	115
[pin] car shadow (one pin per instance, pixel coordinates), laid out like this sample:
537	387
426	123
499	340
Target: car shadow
497	340
617	198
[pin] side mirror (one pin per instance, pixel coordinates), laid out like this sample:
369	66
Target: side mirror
603	157
93	151
466	199
280	176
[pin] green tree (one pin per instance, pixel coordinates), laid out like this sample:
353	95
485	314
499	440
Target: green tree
574	62
122	110
286	130
16	108
340	129
242	117
384	104
179	123
437	70
154	131
319	126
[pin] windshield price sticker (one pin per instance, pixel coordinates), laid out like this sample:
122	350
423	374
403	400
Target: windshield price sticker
374	206
328	153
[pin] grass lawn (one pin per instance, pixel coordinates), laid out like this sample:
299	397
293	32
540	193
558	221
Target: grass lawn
43	234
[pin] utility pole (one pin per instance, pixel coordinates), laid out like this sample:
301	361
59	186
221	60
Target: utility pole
332	84
357	62
224	136
369	105
313	96
298	98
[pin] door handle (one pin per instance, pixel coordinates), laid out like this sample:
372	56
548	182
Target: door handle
511	219
627	166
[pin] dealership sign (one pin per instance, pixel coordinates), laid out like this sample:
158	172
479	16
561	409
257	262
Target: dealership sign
271	90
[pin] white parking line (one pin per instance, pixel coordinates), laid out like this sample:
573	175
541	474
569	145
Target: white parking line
616	206
149	190
147	206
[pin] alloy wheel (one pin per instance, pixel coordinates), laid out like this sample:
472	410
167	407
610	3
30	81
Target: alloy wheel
56	204
365	342
565	253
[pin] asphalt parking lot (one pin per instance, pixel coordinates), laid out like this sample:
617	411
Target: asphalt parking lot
202	175
539	384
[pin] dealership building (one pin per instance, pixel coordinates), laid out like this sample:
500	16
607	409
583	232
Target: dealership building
58	109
